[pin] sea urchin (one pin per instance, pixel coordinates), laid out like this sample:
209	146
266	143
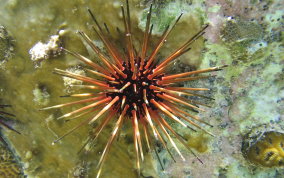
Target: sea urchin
4	117
134	86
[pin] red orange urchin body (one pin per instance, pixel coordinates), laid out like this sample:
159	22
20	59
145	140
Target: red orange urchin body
134	86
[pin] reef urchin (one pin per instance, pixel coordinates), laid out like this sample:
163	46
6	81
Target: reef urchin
134	86
4	117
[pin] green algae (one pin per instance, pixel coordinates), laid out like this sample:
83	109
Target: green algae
215	8
6	45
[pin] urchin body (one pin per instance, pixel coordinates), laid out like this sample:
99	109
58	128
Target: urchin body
135	89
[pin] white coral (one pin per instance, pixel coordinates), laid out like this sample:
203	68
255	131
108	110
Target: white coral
70	82
41	51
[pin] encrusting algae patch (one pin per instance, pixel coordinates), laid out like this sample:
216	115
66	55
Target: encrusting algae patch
198	141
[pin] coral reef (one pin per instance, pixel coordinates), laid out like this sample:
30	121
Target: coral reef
264	148
42	51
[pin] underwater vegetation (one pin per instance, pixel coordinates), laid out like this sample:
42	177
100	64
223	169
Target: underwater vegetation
6	45
135	86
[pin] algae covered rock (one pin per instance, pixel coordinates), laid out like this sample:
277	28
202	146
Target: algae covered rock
243	38
237	30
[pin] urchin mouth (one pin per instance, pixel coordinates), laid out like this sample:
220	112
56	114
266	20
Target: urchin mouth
134	90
